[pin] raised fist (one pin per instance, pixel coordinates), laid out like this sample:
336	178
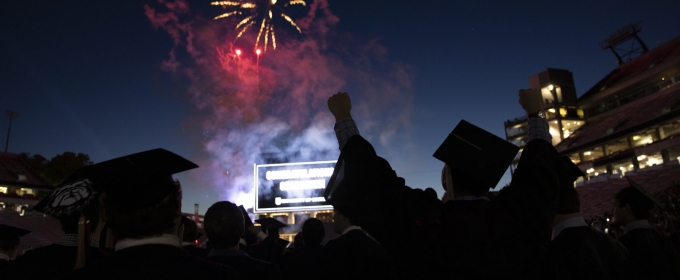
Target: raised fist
340	105
531	100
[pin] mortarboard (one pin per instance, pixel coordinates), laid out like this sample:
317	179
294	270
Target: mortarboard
270	223
643	192
10	232
246	219
74	194
477	153
137	181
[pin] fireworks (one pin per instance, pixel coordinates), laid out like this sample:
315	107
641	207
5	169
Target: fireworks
263	11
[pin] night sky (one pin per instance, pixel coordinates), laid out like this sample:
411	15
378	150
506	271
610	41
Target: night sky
110	78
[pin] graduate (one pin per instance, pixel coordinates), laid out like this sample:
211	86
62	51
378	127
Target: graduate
10	238
305	262
651	253
272	247
468	239
578	251
354	254
76	204
142	206
224	226
189	236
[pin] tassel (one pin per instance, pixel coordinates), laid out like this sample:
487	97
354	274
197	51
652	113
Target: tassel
449	181
110	240
83	242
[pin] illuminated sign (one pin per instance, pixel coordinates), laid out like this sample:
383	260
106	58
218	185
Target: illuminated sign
292	186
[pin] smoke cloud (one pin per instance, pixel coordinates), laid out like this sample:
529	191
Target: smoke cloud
284	111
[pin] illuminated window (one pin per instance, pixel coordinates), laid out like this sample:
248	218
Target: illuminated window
616	146
592	154
650	160
670	129
645	138
3	190
25	191
575	158
622	167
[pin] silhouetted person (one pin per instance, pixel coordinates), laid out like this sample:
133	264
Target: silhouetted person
76	205
577	251
353	255
651	253
467	239
273	247
224	226
10	238
142	205
305	261
189	236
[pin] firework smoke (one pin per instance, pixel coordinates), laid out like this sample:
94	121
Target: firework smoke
286	114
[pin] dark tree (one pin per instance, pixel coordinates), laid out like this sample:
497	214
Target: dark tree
37	162
63	165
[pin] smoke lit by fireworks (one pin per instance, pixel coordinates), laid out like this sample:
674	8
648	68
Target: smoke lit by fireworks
262	11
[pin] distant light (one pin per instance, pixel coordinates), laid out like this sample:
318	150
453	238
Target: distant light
551	110
273	2
607	219
551	87
641	157
238	52
587	153
258	51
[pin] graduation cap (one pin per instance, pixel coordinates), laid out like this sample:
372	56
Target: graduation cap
138	181
476	153
270	223
246	219
643	192
74	194
10	233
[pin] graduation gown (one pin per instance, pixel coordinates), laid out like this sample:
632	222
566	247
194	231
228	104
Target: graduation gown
505	237
304	263
651	254
248	267
585	253
354	255
196	251
154	261
53	261
271	249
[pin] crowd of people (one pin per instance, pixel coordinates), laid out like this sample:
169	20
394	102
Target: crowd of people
121	220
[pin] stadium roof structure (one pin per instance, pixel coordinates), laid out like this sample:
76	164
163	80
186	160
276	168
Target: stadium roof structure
636	69
627	119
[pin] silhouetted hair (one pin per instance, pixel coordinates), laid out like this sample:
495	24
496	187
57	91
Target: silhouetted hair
69	223
313	231
639	203
190	233
298	241
461	180
569	201
153	220
224	224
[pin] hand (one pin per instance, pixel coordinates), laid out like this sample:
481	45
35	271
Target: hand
531	100
340	105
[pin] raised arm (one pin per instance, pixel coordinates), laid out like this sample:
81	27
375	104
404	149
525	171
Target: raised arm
340	106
